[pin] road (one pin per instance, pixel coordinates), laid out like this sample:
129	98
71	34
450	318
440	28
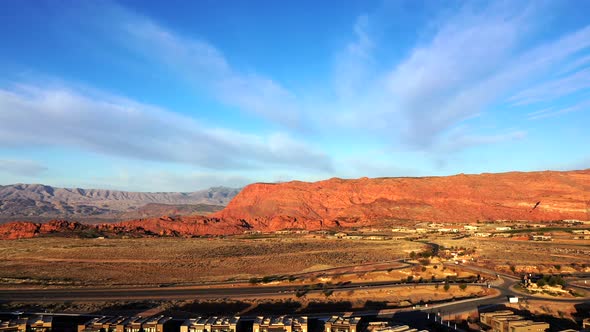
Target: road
39	295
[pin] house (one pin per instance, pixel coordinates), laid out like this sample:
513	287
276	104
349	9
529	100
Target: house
157	324
40	323
541	237
528	326
99	324
486	317
507	321
399	229
388	327
586	324
211	324
483	234
280	324
340	235
503	228
342	324
131	324
470	228
377	238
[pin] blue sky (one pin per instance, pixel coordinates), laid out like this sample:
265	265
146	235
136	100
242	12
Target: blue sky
183	95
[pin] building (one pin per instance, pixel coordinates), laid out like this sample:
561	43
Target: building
507	321
483	234
131	324
211	324
106	324
502	323
14	325
388	327
486	317
470	228
586	324
157	324
528	326
280	324
341	324
503	228
38	323
541	238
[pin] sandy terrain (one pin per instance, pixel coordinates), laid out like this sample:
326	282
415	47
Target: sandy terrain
63	261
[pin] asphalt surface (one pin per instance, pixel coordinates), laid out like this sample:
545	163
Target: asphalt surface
37	295
503	284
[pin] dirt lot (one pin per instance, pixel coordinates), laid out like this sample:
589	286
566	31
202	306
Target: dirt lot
526	256
64	261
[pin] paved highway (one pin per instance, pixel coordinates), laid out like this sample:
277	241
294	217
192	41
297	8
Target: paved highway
36	295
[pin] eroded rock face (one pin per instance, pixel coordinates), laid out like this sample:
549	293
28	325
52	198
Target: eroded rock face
360	202
459	198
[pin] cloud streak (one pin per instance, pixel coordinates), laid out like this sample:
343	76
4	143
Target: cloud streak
205	66
21	167
32	115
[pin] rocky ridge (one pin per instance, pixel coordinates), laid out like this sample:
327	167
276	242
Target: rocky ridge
338	203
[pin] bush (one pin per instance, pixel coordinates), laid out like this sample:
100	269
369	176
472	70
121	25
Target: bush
541	283
447	287
463	286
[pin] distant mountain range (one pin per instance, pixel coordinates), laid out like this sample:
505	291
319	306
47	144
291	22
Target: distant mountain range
39	202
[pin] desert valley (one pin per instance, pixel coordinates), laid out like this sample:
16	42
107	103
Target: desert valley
294	166
358	245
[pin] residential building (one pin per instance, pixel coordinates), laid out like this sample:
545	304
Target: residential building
486	317
210	324
131	324
483	234
507	321
341	324
502	323
586	324
14	325
541	238
156	324
40	323
503	228
470	228
388	327
528	326
106	324
280	324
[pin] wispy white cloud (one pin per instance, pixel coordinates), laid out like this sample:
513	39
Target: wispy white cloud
472	61
21	167
554	89
555	111
61	116
205	66
168	181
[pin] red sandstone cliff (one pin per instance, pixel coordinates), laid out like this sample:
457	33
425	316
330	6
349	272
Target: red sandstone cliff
337	202
458	198
164	226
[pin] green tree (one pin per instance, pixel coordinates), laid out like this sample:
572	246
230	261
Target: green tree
463	286
447	287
